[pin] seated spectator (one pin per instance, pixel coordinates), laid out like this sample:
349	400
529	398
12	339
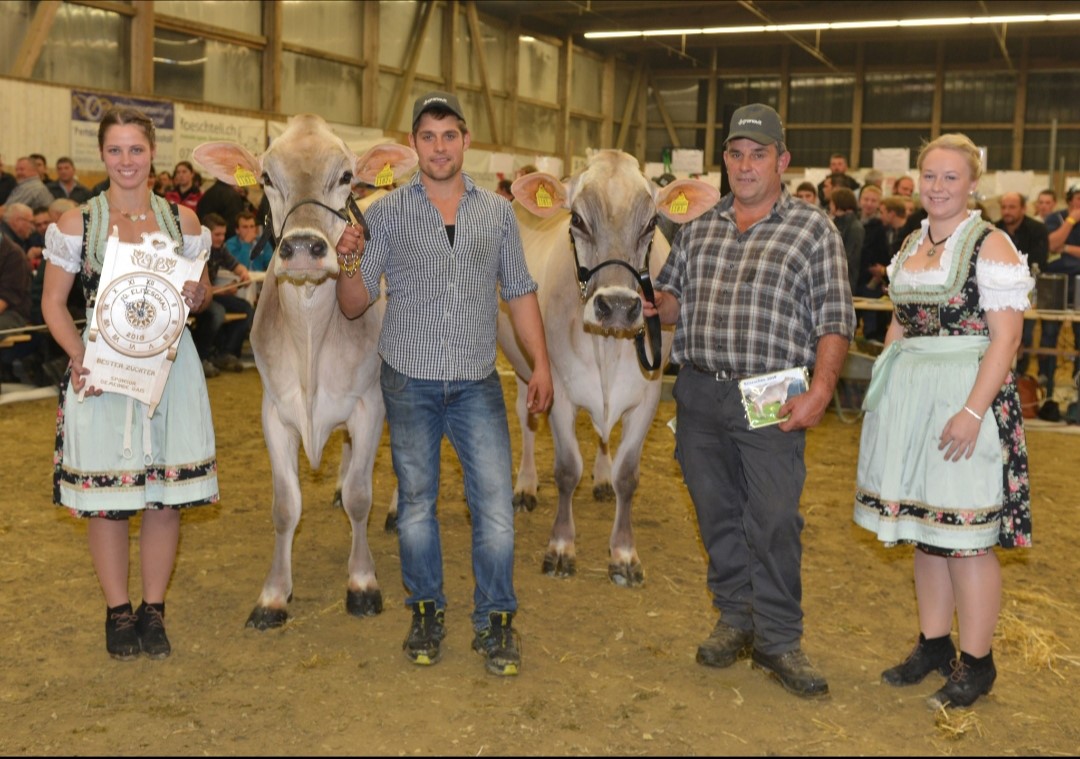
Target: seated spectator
504	189
67	184
869	202
1063	238
186	189
59	207
241	244
7	183
226	201
1045	204
904	185
807	192
844	212
41	164
1030	238
18	226
29	189
894	214
219	342
14	308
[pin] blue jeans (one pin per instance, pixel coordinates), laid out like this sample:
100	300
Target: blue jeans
472	415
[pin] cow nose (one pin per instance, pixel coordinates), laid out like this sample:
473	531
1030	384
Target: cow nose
609	307
308	245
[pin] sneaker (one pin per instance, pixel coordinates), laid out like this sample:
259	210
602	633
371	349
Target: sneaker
724	645
209	370
970	679
121	635
927	656
228	363
426	633
794	671
499	645
151	628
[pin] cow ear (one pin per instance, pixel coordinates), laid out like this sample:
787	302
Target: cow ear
686	199
228	162
383	164
542	194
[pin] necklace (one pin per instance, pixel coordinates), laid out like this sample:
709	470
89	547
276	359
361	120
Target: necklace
133	216
934	243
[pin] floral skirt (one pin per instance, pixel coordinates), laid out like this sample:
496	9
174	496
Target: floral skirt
111	460
907	492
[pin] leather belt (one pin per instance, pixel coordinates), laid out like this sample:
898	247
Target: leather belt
723	375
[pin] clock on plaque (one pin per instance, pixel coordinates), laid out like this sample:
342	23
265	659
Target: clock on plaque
138	317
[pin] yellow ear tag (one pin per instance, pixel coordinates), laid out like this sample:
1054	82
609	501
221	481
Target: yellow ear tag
543	197
680	204
243	177
384	177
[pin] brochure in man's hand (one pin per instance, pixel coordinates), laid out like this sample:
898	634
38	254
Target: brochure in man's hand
763	395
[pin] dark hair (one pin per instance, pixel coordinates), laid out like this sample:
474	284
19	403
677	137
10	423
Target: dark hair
124	117
806	187
40	157
245	215
505	184
64	159
843	199
1049	192
212	220
41	209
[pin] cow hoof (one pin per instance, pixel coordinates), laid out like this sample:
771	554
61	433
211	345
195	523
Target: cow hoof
627	575
391	523
559	565
267	618
338	504
524	502
603	492
364	603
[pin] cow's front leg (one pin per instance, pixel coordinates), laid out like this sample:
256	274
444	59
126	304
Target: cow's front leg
363	597
624	566
283	445
601	473
560	559
526	485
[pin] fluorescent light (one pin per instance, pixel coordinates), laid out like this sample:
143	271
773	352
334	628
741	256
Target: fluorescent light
527	38
841	25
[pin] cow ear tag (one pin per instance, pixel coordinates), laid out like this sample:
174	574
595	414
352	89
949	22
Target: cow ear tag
543	197
385	177
243	177
679	205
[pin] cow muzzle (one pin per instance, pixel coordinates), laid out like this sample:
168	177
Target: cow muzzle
616	309
304	255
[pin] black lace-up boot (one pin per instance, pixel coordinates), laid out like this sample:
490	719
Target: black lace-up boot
121	637
928	655
151	627
970	679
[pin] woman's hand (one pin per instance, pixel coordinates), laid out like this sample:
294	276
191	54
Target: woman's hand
959	436
79	374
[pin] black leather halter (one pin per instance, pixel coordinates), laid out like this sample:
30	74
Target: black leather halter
651	323
350	214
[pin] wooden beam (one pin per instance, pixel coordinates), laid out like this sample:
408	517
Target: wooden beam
607	102
416	42
142	48
628	106
513	54
273	21
939	91
451	27
477	36
562	127
710	114
672	134
642	142
30	49
1020	109
857	106
369	96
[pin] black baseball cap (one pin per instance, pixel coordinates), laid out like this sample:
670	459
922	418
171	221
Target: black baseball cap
757	122
436	99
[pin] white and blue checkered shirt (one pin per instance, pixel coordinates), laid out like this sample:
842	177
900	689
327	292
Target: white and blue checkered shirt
442	300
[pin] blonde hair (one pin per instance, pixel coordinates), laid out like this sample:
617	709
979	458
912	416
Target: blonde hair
958	143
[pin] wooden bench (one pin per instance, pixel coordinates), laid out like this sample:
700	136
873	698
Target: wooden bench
9	340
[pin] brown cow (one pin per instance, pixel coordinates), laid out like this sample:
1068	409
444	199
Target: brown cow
319	369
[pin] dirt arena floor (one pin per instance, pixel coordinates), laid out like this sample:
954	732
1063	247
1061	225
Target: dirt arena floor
606	670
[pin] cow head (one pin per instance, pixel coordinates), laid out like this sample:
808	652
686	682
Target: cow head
308	162
613	214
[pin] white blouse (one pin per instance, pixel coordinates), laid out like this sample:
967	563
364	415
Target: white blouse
1001	286
66	252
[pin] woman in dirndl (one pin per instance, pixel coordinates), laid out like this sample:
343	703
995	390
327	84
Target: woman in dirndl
943	459
111	461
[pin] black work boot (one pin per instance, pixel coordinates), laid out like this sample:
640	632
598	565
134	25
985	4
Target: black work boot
151	627
928	655
724	645
425	634
498	644
794	671
970	679
121	637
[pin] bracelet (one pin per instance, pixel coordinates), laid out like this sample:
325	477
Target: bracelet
968	409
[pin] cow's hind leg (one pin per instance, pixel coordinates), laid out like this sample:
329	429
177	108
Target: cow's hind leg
624	566
560	559
526	485
283	444
363	597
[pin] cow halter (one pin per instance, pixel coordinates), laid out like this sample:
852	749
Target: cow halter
651	323
350	214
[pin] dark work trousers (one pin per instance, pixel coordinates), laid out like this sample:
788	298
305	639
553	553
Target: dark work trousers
745	485
213	336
